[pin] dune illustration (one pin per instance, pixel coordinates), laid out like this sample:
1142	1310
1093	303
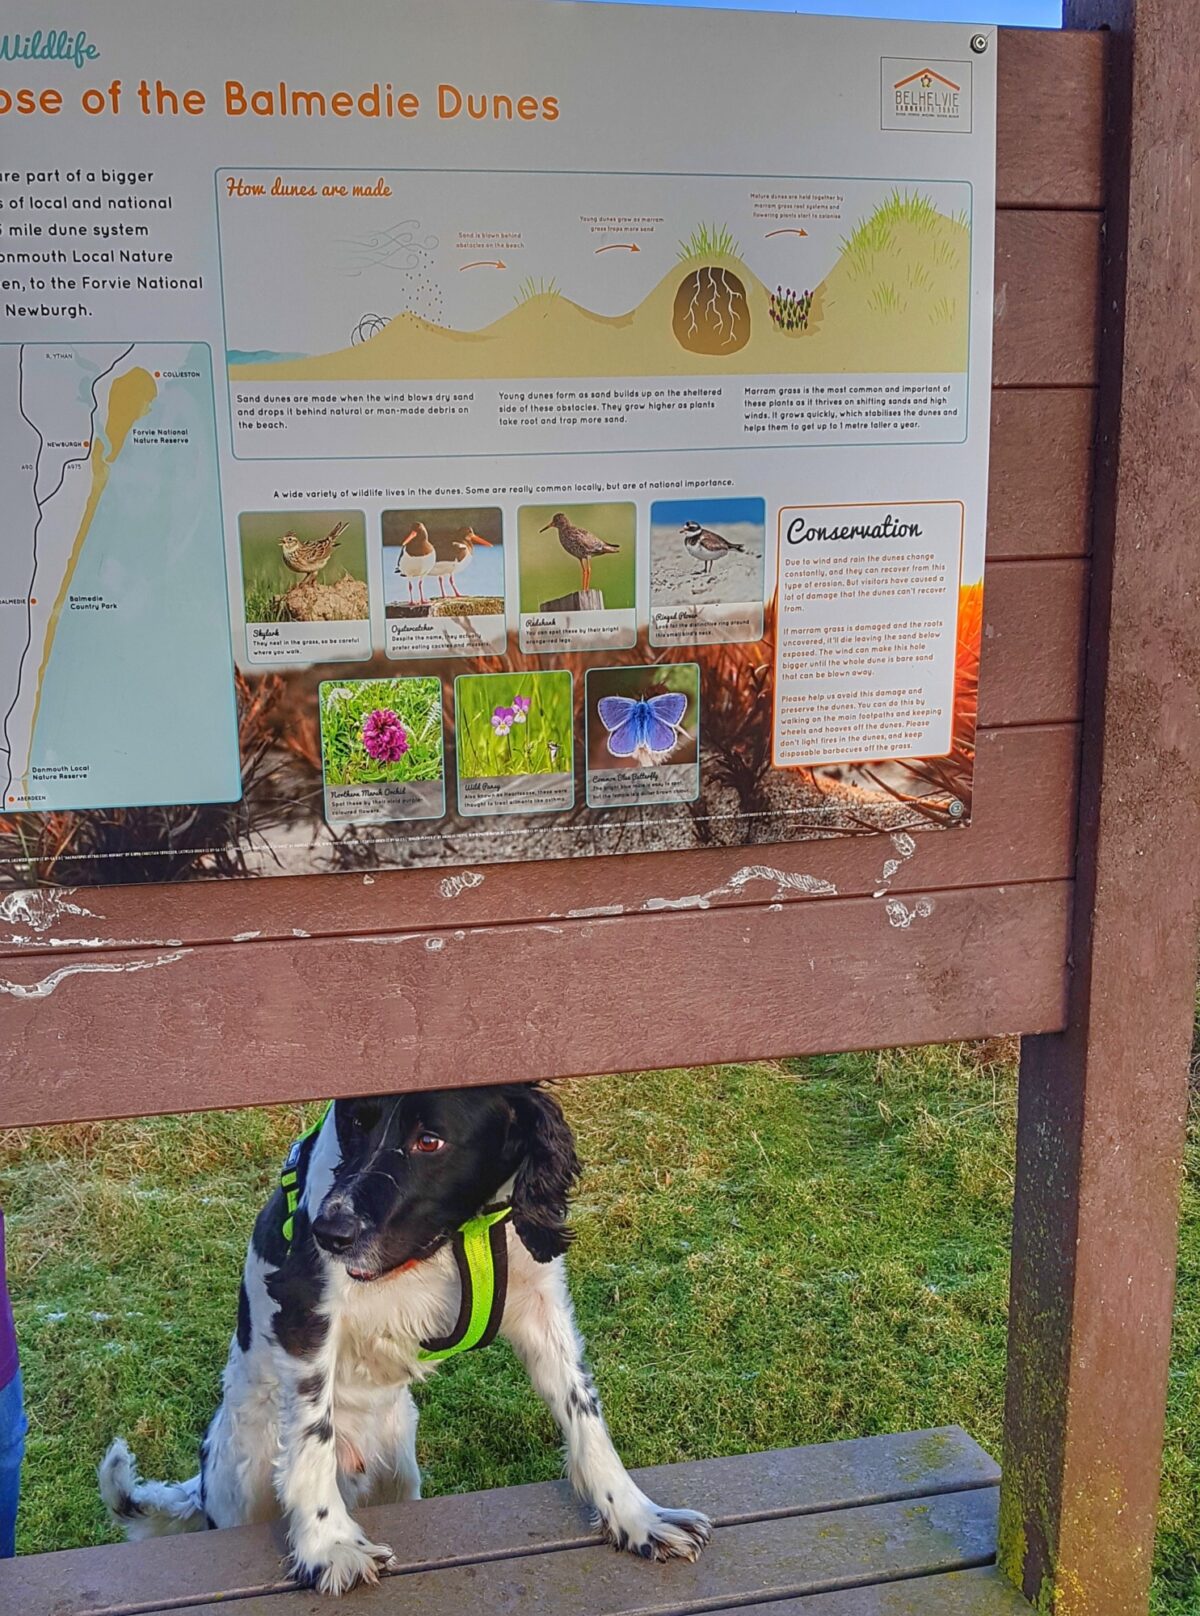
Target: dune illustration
896	300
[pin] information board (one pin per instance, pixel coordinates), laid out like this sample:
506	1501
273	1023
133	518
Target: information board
483	432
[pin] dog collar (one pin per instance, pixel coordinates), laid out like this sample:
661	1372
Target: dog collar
480	1247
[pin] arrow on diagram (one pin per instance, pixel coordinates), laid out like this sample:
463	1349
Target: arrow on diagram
484	263
620	246
771	233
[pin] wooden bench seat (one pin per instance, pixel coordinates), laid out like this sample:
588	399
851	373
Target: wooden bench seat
882	1526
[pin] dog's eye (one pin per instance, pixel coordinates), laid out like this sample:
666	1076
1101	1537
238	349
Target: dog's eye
364	1117
427	1143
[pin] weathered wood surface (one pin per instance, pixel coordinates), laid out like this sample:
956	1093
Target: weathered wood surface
1050	119
983	1592
767	1560
1031	662
181	1029
1040	483
1033	767
1047	294
1103	1104
466	1528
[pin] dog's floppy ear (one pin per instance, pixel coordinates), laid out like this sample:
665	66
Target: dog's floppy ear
548	1170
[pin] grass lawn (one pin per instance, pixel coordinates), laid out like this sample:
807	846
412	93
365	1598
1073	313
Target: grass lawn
767	1254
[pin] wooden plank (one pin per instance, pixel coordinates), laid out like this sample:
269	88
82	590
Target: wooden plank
762	1560
141	1032
1050	119
1040	478
1103	1107
1033	766
1047	299
1031	675
983	1592
469	1527
1031	663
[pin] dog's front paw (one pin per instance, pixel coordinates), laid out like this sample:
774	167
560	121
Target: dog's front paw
657	1534
335	1566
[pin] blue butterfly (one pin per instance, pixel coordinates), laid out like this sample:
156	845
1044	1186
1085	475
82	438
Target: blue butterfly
649	721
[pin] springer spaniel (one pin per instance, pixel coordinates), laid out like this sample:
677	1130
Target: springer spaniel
354	1287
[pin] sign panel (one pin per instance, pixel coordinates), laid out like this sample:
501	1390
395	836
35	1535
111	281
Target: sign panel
481	433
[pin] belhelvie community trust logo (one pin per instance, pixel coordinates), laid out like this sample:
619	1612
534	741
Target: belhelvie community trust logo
49	45
929	96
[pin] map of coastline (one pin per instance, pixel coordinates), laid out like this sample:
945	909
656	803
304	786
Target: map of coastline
118	565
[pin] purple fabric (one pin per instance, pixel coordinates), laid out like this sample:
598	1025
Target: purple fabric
8	1335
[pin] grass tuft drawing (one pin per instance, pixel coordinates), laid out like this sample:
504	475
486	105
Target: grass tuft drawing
708	241
533	287
885	299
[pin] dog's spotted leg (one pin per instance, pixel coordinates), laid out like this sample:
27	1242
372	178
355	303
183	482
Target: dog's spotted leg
329	1551
540	1324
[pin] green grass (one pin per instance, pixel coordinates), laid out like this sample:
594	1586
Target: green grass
263	597
875	234
539	745
536	286
709	241
885	299
345	704
766	1255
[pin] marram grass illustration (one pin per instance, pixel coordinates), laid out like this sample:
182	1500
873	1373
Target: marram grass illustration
896	300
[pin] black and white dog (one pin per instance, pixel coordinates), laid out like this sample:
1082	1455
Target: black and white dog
317	1416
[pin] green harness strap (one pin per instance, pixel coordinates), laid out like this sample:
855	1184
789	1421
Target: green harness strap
480	1247
289	1175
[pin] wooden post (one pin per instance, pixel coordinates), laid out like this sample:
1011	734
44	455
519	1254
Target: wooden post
1102	1105
584	600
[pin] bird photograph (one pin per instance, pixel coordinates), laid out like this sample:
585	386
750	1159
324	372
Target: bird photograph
706	554
706	546
416	560
449	561
308	559
574	551
303	566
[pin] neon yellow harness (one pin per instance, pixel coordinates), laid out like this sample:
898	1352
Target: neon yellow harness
480	1247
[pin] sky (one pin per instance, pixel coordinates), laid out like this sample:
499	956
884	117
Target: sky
1016	13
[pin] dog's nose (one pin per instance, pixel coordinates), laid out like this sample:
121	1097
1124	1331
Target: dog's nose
337	1228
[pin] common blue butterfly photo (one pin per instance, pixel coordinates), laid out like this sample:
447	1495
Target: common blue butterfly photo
649	722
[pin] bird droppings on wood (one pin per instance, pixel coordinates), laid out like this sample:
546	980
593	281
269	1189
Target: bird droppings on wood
39	908
900	915
44	988
455	885
245	936
784	881
905	848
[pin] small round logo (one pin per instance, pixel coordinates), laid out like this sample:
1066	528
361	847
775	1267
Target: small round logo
979	43
955	808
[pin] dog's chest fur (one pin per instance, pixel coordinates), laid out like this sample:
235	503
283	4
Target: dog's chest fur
380	1326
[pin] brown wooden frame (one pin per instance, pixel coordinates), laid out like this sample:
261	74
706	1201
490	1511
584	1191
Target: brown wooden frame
1067	911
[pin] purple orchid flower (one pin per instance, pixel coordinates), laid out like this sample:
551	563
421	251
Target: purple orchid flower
383	736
